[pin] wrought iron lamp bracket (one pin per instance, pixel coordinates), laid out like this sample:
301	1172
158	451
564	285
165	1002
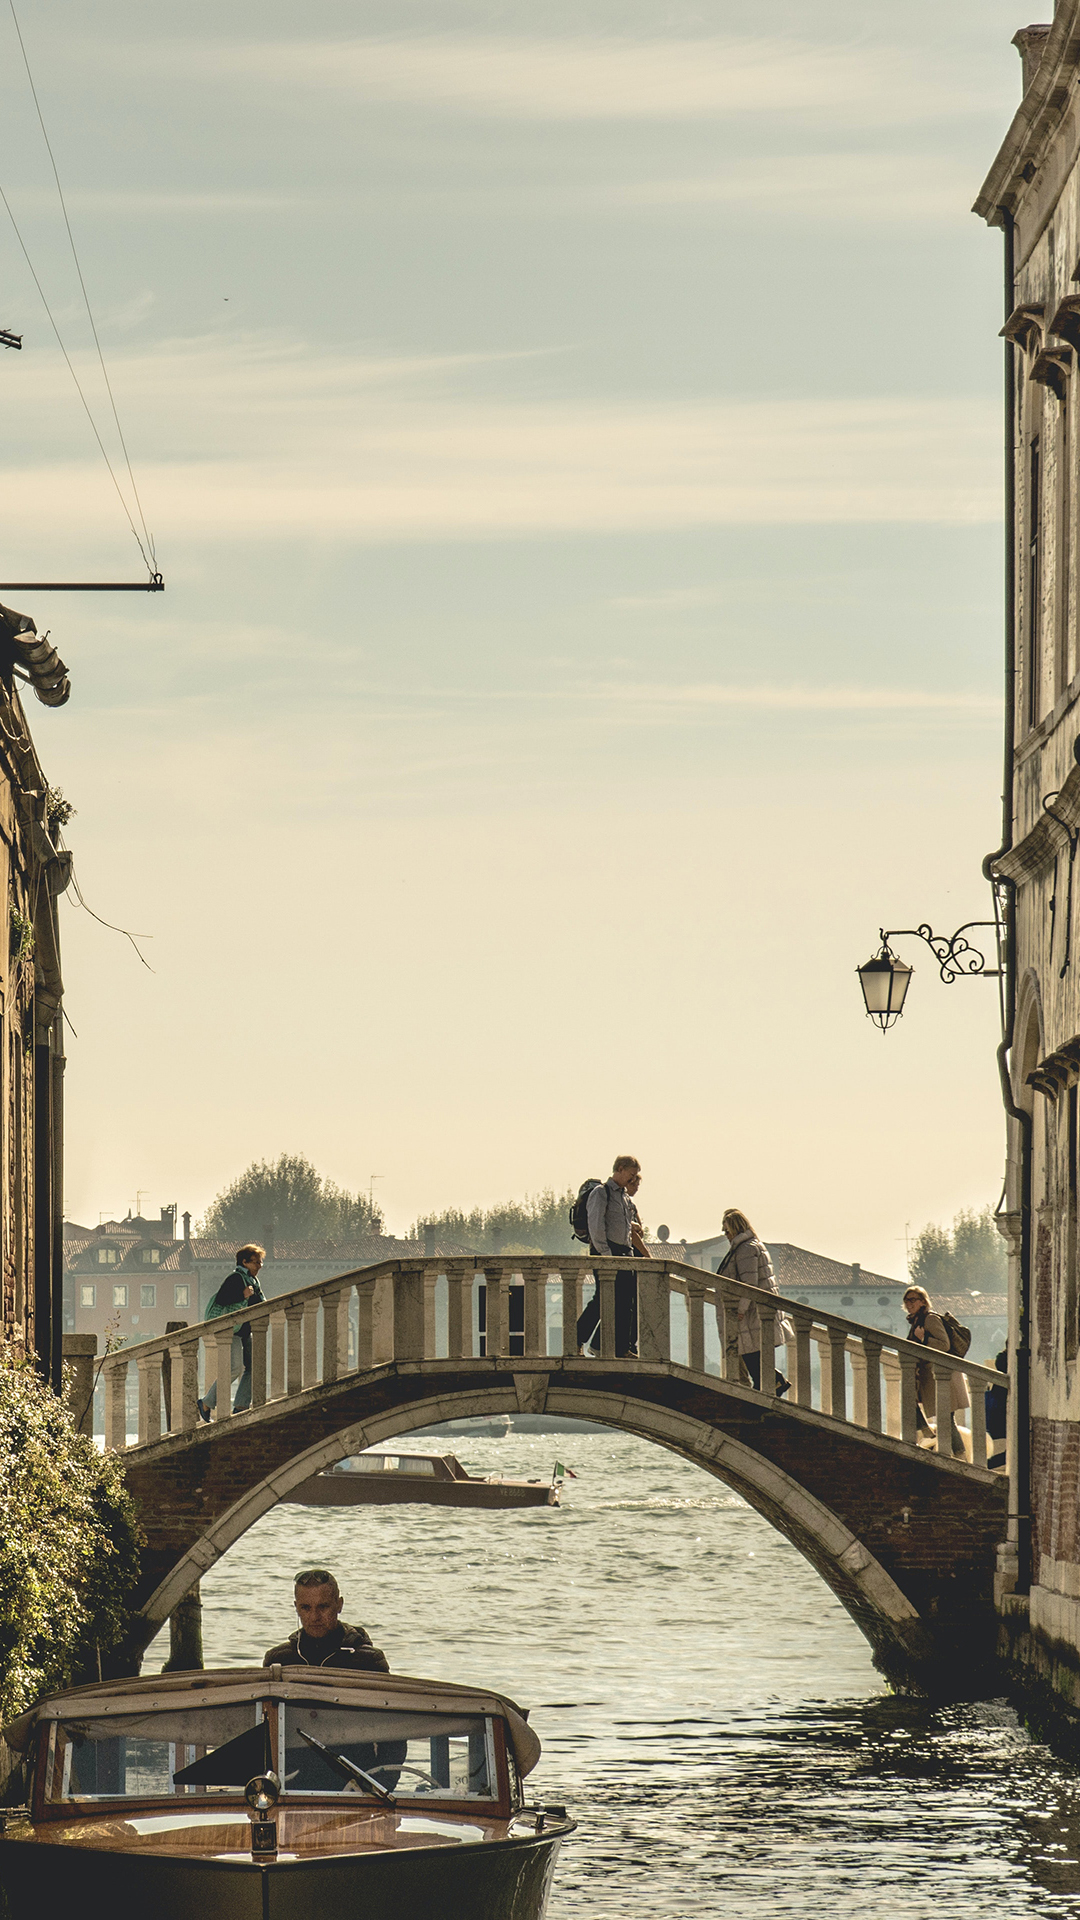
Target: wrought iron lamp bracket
957	958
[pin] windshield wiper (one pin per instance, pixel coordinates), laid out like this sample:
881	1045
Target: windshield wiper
348	1769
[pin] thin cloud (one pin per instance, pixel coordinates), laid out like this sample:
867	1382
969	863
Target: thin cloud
270	442
823	187
588	77
796	699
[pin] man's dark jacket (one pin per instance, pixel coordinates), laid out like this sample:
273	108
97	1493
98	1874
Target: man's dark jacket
345	1647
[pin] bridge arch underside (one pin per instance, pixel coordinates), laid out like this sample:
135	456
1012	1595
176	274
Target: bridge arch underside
907	1542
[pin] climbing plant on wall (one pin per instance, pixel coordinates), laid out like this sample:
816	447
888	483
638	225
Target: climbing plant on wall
69	1544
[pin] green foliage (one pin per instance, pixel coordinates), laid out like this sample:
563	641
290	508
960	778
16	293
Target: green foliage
294	1200
69	1544
21	941
537	1224
969	1256
58	811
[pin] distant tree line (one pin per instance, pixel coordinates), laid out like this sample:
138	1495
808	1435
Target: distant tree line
538	1224
290	1197
969	1256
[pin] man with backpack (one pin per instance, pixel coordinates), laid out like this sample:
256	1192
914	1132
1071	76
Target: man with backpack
612	1227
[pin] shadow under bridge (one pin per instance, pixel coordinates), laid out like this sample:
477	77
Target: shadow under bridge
905	1535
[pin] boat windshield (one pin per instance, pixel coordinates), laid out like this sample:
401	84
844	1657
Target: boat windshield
204	1749
429	1755
186	1750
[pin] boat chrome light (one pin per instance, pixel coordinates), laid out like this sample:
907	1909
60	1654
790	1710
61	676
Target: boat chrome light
262	1794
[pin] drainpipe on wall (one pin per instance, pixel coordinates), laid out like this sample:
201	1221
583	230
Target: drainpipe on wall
1020	1482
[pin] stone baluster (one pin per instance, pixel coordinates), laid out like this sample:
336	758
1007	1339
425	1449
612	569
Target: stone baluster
572	1289
411	1294
943	1402
767	1322
260	1329
654	1311
535	1278
459	1284
220	1369
277	1354
149	1371
695	1313
857	1354
335	1333
832	1344
495	1318
605	1280
803	1381
294	1349
309	1373
979	1451
116	1371
872	1352
909	1394
365	1325
728	1325
184	1360
891	1365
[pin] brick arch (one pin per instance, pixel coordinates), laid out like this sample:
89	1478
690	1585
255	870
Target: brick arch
903	1643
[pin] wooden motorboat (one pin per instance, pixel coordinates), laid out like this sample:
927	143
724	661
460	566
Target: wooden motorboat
434	1479
278	1793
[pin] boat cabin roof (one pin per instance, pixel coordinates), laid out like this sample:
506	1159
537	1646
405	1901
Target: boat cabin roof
397	1693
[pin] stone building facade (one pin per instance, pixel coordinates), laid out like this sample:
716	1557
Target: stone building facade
1033	194
34	870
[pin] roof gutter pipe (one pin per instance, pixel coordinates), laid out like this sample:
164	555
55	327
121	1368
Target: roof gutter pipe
1020	1481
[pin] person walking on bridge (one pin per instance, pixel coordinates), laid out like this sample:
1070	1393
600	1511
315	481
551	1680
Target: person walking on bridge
747	1261
614	1228
241	1286
927	1328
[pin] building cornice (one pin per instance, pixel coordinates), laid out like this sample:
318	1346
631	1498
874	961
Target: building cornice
1046	839
1037	118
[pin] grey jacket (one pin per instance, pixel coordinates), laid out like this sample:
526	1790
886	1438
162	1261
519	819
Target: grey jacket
610	1215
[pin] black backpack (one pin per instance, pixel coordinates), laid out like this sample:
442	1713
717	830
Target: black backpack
579	1212
959	1337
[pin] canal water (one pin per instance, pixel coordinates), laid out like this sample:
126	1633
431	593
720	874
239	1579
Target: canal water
708	1711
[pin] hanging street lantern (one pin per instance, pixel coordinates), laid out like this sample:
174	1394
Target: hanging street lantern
884	982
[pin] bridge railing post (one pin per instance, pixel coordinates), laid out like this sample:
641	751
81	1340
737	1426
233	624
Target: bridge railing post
365	1325
890	1365
260	1334
857	1353
148	1368
605	1280
294	1358
979	1451
727	1326
654	1311
116	1372
872	1387
310	1365
494	1341
410	1300
335	1305
277	1354
534	1277
909	1395
219	1368
804	1378
573	1286
767	1358
459	1297
832	1346
184	1358
695	1316
943	1407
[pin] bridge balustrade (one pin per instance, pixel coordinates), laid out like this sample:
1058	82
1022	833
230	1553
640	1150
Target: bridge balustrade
386	1315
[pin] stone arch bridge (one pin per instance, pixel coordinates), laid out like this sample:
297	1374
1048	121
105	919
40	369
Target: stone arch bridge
906	1536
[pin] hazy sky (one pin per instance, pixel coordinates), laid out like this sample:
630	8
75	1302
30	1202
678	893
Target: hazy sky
571	435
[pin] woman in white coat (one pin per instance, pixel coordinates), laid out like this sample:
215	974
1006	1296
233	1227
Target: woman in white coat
747	1260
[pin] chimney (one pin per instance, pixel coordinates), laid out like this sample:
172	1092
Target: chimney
187	1229
429	1240
168	1220
268	1241
1030	43
856	1273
